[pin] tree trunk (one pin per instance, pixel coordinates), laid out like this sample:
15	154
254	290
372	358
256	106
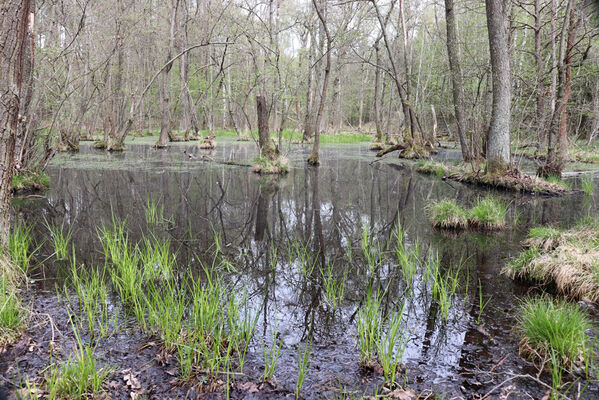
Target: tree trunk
456	79
267	150
313	159
165	115
498	145
308	127
25	124
14	19
558	133
377	89
540	112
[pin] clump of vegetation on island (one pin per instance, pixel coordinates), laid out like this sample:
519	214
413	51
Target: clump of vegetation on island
448	214
266	165
26	180
569	259
487	214
511	180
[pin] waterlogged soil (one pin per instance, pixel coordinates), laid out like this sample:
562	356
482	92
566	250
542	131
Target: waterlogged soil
469	354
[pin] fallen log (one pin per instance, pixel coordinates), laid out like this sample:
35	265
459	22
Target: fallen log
399	146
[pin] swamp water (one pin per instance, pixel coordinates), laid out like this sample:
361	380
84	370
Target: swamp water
283	239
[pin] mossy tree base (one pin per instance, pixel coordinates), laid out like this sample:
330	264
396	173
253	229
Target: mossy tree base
207	144
376	146
548	170
67	146
271	166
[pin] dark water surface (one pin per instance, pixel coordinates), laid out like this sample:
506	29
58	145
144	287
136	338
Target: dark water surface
327	208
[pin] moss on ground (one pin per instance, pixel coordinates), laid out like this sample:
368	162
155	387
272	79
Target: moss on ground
27	180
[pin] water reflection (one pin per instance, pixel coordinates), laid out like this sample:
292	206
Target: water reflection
263	221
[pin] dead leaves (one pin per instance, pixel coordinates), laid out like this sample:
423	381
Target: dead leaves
249	387
133	384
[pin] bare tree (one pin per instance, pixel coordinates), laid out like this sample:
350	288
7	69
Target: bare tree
456	80
313	159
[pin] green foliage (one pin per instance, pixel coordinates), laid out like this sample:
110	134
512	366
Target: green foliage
554	332
588	185
369	321
391	347
271	356
80	378
556	180
488	213
12	314
448	214
522	261
303	360
60	240
334	289
92	300
544	232
19	247
554	326
30	180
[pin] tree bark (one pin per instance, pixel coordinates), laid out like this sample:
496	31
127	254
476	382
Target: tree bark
165	115
456	79
377	89
267	149
313	159
14	19
557	148
498	145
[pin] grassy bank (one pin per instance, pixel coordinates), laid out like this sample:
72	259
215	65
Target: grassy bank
569	259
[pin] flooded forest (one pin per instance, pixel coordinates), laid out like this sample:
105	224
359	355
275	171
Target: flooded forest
309	199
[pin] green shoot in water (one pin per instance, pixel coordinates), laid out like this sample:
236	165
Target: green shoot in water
334	290
369	321
391	347
60	240
303	360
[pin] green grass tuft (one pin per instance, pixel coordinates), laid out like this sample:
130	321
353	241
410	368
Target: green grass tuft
588	186
12	315
554	328
448	214
488	213
30	180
